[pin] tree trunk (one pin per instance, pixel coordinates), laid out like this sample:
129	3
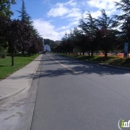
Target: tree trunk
91	52
23	52
12	57
105	53
83	53
88	53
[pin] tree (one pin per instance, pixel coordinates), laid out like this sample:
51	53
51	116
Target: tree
36	45
89	27
26	19
79	40
106	35
5	14
3	32
124	18
67	44
5	8
17	33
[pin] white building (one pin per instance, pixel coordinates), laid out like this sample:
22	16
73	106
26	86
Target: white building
47	48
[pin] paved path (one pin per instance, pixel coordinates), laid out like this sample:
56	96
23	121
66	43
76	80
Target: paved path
14	94
75	95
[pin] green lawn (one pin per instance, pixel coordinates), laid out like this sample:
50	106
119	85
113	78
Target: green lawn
19	61
111	60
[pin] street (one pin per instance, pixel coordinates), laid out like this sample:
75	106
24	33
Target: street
76	95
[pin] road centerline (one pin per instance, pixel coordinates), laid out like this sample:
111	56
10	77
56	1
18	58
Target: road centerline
65	66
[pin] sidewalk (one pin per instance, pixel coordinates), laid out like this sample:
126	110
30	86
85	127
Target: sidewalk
19	81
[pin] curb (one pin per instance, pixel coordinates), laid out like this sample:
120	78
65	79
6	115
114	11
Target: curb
29	84
25	122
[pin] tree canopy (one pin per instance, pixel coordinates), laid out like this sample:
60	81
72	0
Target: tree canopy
5	6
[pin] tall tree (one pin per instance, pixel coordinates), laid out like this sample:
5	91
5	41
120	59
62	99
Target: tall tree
124	18
3	38
5	14
89	27
106	33
17	33
25	18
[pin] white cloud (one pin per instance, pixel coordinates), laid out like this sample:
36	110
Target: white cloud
102	4
74	12
46	29
68	27
61	9
108	5
71	12
58	10
96	14
72	3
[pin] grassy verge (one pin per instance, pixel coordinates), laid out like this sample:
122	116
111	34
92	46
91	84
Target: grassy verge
19	61
116	61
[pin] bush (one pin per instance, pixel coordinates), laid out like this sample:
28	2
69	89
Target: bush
2	52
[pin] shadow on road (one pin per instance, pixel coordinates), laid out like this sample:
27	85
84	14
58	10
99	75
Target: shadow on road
80	67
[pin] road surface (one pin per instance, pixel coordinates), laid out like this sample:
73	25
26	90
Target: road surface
74	95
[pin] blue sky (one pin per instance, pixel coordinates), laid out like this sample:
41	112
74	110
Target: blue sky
54	18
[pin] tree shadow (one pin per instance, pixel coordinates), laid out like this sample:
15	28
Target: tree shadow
4	66
75	67
81	69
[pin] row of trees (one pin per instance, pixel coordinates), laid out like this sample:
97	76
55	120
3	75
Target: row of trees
17	35
104	33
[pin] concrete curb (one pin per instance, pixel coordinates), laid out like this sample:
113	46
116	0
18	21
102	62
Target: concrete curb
11	85
25	121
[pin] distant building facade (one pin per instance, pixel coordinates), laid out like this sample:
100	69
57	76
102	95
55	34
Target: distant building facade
47	48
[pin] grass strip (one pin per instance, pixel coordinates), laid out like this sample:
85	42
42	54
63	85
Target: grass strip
19	62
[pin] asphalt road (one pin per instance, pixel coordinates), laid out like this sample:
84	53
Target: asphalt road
74	95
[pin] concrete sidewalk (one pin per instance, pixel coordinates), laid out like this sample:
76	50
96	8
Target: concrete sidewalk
19	81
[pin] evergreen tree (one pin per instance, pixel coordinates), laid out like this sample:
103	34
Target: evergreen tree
25	18
124	19
106	34
89	27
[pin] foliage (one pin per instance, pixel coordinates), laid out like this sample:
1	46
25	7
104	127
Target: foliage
124	18
89	27
26	18
94	34
2	52
5	6
3	31
5	14
107	36
32	43
18	33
